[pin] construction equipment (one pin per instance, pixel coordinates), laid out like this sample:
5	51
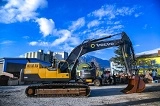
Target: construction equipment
89	75
62	74
8	79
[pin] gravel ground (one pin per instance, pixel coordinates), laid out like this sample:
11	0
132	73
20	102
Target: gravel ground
100	96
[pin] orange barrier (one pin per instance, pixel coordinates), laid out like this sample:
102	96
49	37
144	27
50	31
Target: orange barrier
135	85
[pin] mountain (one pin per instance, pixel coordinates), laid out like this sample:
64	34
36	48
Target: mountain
88	58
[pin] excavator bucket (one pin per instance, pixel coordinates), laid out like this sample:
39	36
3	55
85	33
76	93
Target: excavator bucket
135	85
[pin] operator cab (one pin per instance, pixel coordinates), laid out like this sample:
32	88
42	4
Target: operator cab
63	66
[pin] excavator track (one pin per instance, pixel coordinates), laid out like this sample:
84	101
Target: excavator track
58	90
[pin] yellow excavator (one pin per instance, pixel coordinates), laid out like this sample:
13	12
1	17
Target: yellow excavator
61	79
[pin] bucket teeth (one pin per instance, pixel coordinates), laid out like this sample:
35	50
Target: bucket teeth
135	85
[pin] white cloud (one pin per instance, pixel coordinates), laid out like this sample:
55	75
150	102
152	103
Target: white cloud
117	22
66	47
107	10
26	37
137	45
24	10
22	56
20	10
149	52
93	23
42	43
74	41
111	11
113	22
110	18
117	27
125	11
100	32
145	26
6	42
137	14
33	43
77	24
39	43
46	26
64	35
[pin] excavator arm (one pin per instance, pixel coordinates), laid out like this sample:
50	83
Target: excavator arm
103	43
135	84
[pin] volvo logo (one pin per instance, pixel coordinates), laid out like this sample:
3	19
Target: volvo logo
92	45
104	44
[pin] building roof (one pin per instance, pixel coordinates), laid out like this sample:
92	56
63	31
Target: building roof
23	60
148	55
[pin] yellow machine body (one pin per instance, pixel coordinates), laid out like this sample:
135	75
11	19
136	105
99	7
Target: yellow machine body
39	73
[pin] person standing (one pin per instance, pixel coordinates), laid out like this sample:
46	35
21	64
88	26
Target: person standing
114	78
154	74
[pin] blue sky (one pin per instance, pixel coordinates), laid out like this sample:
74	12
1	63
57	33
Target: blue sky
61	25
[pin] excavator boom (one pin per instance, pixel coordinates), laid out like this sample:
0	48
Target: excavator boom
102	43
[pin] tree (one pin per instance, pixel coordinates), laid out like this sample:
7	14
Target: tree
118	57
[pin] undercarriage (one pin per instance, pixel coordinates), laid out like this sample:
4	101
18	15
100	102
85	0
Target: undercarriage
58	90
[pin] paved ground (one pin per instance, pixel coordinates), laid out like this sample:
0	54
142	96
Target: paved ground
100	96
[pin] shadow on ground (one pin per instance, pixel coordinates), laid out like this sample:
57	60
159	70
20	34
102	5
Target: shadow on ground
117	91
153	88
105	92
7	87
138	102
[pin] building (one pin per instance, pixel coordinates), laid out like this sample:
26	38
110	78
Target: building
60	55
47	56
14	65
144	62
116	68
40	55
148	62
11	67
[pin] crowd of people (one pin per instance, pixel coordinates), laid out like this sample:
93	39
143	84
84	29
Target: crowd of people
115	78
122	78
149	76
